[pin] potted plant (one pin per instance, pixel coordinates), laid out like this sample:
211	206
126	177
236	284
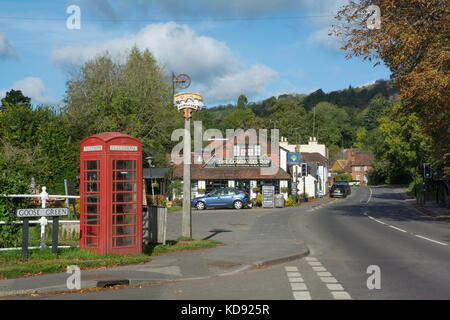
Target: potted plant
201	190
255	189
284	189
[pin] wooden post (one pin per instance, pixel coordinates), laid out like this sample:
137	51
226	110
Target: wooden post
25	238
55	235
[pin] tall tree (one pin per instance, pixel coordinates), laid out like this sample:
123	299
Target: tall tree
413	42
242	101
133	97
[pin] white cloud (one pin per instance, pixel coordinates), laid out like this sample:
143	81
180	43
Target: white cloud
210	63
321	39
33	88
6	48
250	81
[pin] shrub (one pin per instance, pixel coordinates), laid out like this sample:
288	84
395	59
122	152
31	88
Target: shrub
177	202
259	199
289	202
11	183
343	177
160	200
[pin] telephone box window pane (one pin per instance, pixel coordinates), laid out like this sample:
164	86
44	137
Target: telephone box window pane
91	165
124	186
91	230
91	208
125	175
91	176
124	197
124	241
91	187
91	241
124	230
91	219
124	208
92	198
124	219
124	164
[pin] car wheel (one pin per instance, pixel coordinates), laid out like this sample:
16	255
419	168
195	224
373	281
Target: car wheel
237	204
200	205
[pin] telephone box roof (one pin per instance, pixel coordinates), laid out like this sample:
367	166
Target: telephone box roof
107	136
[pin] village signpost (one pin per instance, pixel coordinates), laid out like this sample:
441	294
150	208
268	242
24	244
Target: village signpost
26	214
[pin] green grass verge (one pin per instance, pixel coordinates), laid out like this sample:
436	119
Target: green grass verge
41	261
174	209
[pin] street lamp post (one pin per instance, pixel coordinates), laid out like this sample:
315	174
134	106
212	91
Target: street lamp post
187	102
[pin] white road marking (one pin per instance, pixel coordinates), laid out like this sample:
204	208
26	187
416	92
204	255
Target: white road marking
311	259
299	289
335	287
301	295
341	295
425	238
404	231
298	286
397	228
324	274
314	263
319	269
294	274
291	269
337	290
370	196
328	279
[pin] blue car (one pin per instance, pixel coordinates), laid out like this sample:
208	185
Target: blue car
223	198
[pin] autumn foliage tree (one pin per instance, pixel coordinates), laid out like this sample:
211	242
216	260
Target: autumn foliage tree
413	42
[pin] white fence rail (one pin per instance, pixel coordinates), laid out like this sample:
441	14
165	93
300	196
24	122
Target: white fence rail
44	197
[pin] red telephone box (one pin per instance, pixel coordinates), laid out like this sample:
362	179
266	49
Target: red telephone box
111	193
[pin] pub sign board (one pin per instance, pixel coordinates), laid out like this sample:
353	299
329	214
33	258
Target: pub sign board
293	157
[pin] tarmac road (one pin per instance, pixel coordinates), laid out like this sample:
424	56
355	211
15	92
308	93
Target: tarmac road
372	228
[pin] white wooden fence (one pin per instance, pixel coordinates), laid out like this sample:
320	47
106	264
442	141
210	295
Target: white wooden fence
44	196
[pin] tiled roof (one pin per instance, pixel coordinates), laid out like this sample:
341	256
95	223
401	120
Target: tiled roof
339	165
363	159
230	173
313	157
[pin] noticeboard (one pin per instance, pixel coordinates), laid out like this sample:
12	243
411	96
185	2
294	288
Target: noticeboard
268	194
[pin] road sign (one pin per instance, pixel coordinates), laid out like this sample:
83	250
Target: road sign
293	157
42	212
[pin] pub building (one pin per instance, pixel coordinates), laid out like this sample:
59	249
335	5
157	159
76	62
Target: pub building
245	161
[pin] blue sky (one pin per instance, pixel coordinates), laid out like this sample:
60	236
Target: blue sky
259	48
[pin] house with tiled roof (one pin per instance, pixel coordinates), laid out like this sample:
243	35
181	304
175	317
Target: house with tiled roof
339	166
359	164
246	161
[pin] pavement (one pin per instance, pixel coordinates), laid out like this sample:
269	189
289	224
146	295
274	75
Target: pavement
431	209
253	238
